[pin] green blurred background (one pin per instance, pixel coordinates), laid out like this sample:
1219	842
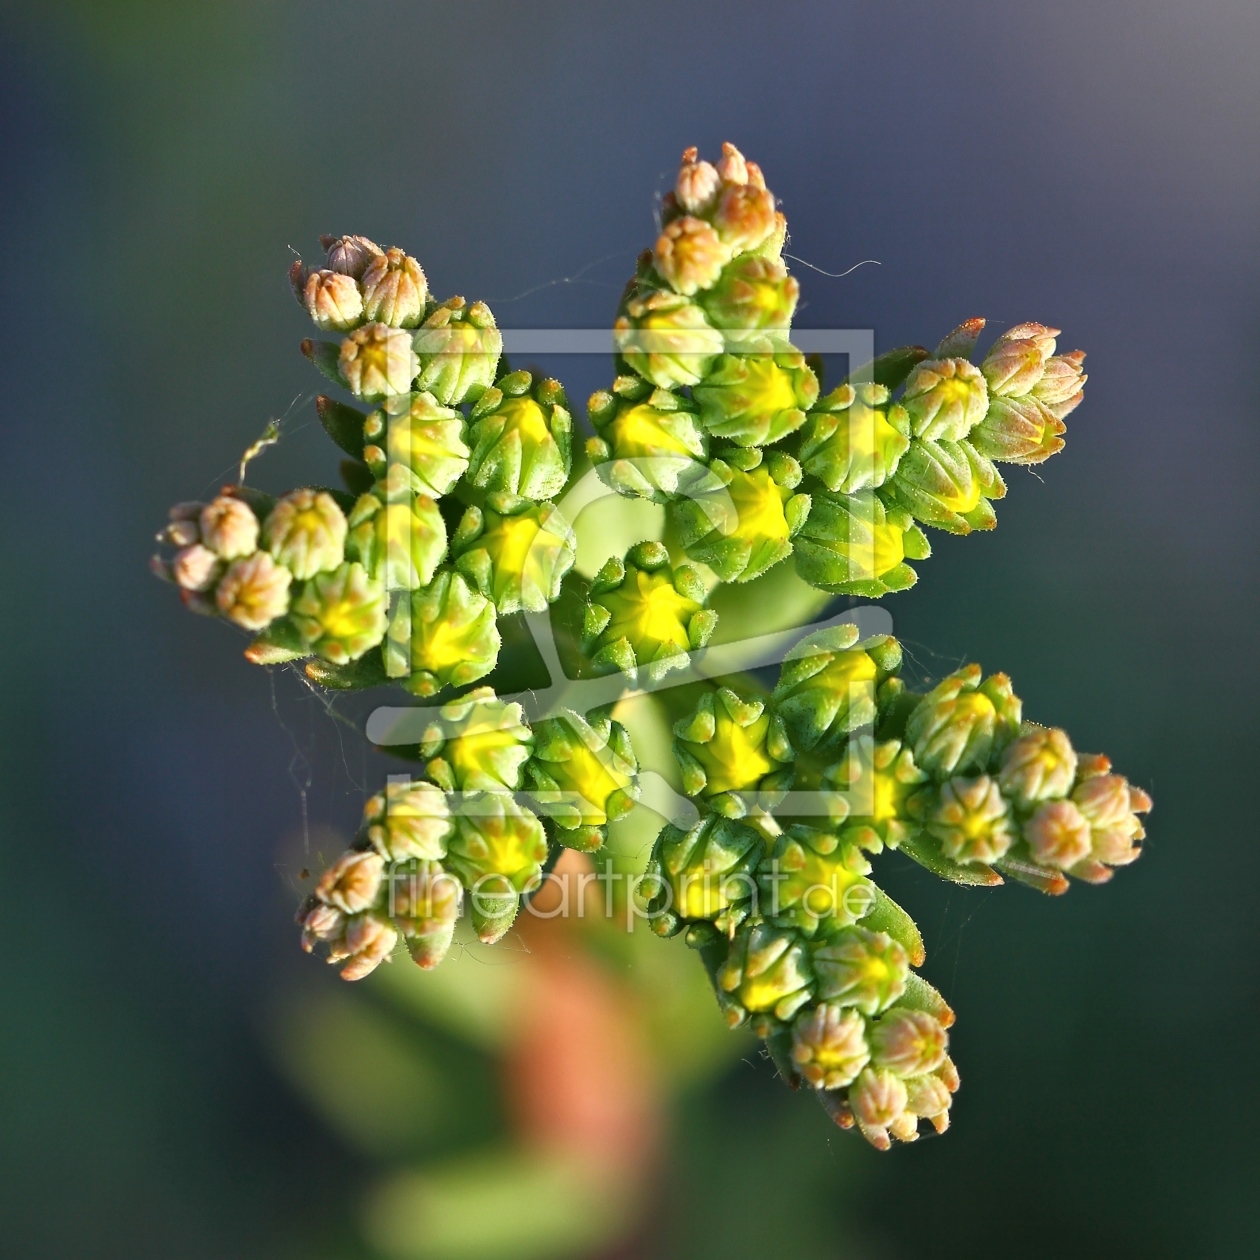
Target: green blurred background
179	1081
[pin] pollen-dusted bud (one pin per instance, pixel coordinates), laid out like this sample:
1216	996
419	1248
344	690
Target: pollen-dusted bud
459	347
196	568
1110	804
410	819
814	882
1058	834
333	301
583	774
229	528
855	438
741	517
908	1042
946	484
665	338
853	544
1017	360
352	883
971	820
350	255
521	438
865	970
766	973
732	752
415	443
963	724
424	901
254	591
879	1098
1039	766
306	532
689	255
642	613
368	941
453	634
497	851
399	544
515	552
341	613
705	873
377	361
945	398
394	290
829	1045
647	440
478	744
733	168
698	182
752	294
757	399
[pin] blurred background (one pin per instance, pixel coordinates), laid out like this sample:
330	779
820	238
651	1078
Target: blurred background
178	1080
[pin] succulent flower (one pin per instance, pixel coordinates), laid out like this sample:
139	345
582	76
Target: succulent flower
333	301
479	744
647	440
521	438
814	882
666	339
853	544
963	724
971	819
394	290
515	552
350	255
689	255
1039	766
452	635
910	1043
757	398
377	361
254	591
829	1045
741	518
497	851
410	819
341	613
415	443
424	901
306	532
946	484
767	973
751	294
458	347
583	776
399	544
854	438
229	527
642	612
862	969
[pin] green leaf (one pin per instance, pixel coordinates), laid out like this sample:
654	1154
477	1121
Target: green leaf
343	424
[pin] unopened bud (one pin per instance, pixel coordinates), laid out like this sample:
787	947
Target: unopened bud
353	882
757	399
414	443
697	185
689	255
350	255
667	339
424	901
369	940
815	883
767	973
1110	804
399	543
1058	834
377	361
1039	766
947	484
1019	431
829	1045
254	591
341	613
333	301
453	637
945	398
733	168
394	290
855	439
1063	385
649	441
963	723
865	970
744	217
229	528
972	821
907	1042
479	744
521	438
458	347
408	820
752	293
878	1099
306	532
196	568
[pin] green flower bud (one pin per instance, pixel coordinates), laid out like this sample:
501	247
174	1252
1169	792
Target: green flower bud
353	882
583	776
878	1099
196	568
398	544
971	820
453	636
862	969
814	882
350	255
853	544
963	724
646	439
229	528
741	518
515	552
521	438
367	941
1018	431
1110	804
306	532
1017	360
855	438
702	874
254	591
641	611
757	399
497	851
731	748
945	398
689	255
415	441
459	347
341	614
1062	387
1058	835
880	779
827	685
1039	766
410	819
666	339
394	290
377	361
424	901
333	301
829	1045
751	294
766	973
698	183
910	1043
946	484
479	744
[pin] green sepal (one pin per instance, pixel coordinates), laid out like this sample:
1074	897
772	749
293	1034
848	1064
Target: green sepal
927	852
887	916
326	356
279	643
356	476
342	423
892	367
921	996
367	671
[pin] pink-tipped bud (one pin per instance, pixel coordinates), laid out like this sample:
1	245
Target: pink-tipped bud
689	255
254	591
733	169
879	1101
229	528
1058	835
698	182
907	1042
395	290
196	568
369	940
353	882
333	301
